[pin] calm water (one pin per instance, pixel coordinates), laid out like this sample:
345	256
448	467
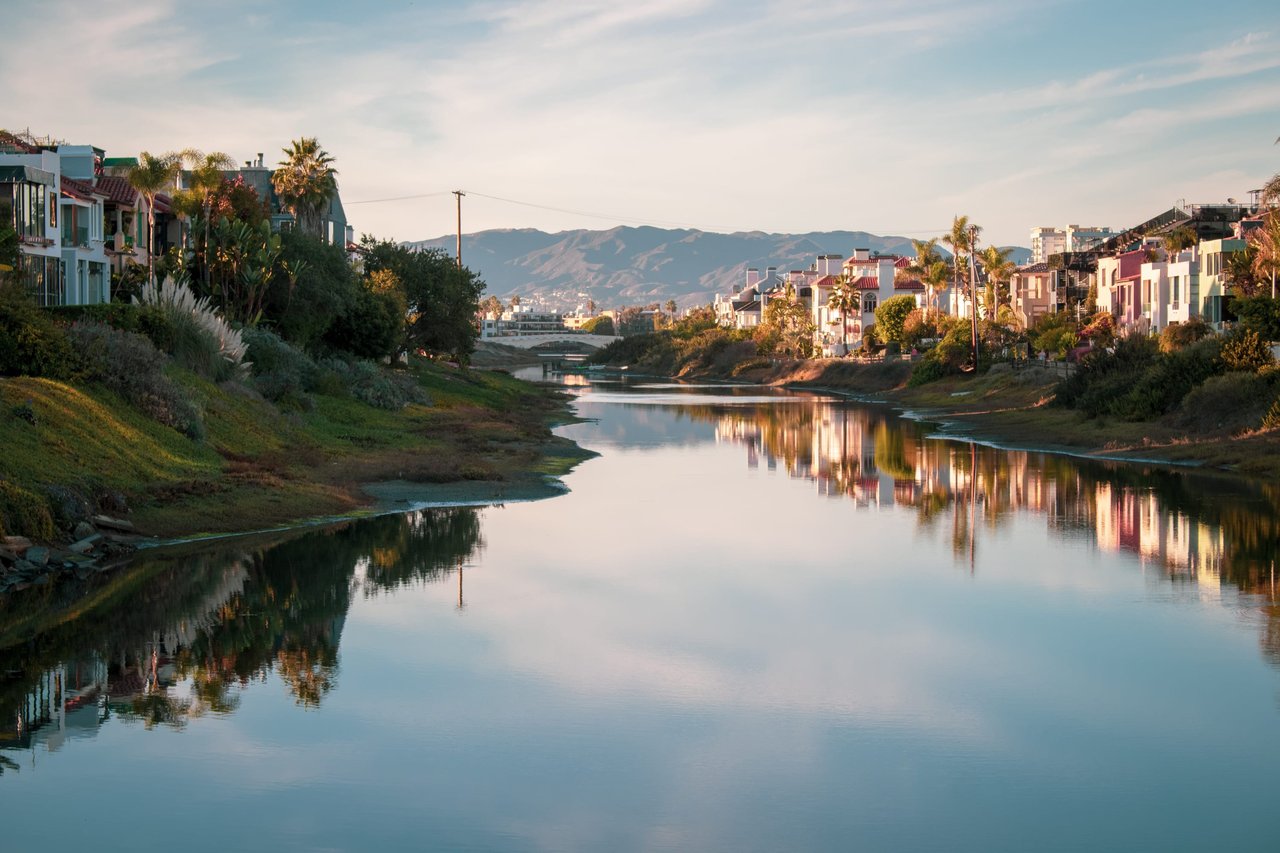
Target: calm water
757	622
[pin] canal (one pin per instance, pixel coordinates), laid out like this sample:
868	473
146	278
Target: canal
758	620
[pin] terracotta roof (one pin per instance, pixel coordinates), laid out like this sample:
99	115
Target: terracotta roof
116	188
79	189
164	204
825	281
908	284
902	263
866	282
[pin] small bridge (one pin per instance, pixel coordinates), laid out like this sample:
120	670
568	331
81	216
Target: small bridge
554	341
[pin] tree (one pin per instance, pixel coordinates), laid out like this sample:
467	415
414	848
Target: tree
206	180
891	315
602	325
999	269
844	298
1266	245
671	311
787	326
1178	239
306	183
442	299
1238	269
515	302
491	306
150	176
936	278
961	238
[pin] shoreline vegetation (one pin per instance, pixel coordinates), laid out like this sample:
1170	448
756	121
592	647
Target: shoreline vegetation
1015	408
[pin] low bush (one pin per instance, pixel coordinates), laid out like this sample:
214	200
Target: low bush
130	365
1230	403
280	372
24	512
373	386
31	343
202	341
1246	350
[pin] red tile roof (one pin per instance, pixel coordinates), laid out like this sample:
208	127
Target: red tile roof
825	281
116	188
78	189
866	282
908	284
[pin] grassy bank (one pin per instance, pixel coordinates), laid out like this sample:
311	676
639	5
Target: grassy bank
77	448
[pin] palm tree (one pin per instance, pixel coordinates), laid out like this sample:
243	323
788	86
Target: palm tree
306	182
962	237
1266	244
998	267
206	180
671	311
936	278
150	176
1178	239
844	297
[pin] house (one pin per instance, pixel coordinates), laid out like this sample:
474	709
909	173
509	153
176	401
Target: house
48	197
1211	294
334	227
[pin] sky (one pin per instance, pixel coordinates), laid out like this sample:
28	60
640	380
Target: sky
873	115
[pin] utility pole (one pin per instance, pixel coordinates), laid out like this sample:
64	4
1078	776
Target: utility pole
459	194
973	292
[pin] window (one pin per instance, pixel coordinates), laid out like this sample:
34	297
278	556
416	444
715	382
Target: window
869	302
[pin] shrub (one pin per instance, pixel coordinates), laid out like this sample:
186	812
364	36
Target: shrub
1246	350
31	343
130	365
382	389
202	340
1271	420
891	316
24	513
1178	336
280	372
598	326
1232	402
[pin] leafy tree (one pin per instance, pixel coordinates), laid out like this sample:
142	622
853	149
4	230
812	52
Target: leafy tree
306	183
602	325
891	315
787	326
491	306
312	288
1055	334
1260	315
206	182
150	176
441	298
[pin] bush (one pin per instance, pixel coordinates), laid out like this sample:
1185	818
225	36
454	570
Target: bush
1246	350
201	340
1231	403
31	343
599	326
130	365
892	315
1178	336
24	513
280	372
366	382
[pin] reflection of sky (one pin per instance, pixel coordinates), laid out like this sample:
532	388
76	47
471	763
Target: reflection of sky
687	654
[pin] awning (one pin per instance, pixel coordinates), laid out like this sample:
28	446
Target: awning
16	174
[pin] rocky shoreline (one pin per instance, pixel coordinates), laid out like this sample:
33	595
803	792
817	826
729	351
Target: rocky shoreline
102	543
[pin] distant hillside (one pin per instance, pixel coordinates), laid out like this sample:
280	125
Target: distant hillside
629	266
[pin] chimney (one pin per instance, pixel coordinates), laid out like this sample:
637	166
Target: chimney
753	276
259	159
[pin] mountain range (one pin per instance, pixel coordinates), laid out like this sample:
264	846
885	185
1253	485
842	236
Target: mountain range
642	265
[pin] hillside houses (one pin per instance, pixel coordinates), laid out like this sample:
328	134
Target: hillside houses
79	221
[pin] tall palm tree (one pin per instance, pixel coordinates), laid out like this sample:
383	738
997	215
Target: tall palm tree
306	182
961	238
1266	244
150	176
995	262
844	297
937	277
206	180
1178	239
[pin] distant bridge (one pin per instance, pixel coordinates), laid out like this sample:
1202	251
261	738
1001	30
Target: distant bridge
560	341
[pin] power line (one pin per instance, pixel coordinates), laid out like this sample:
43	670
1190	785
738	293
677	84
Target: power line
608	216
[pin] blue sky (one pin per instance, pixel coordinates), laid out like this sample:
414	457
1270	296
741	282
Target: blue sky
873	115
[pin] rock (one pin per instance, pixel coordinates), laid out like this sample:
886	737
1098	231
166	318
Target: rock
84	530
67	505
16	544
8	556
37	555
113	523
85	545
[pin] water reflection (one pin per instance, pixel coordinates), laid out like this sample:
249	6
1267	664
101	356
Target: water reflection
180	635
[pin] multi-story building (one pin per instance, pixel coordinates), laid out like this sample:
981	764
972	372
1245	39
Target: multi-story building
1047	241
